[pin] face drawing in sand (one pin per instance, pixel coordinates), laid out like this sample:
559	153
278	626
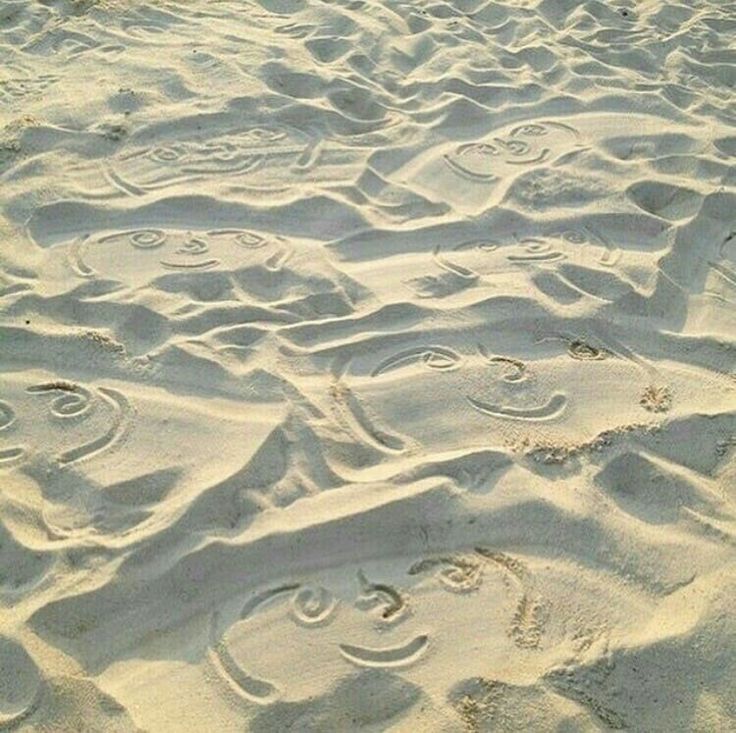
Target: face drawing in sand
508	267
440	398
359	621
467	175
507	151
74	422
137	256
184	161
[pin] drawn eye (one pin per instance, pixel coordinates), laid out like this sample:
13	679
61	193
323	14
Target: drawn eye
222	151
433	357
574	237
262	134
530	130
166	154
147	238
312	606
70	400
250	240
585	352
482	245
516	147
482	149
514	369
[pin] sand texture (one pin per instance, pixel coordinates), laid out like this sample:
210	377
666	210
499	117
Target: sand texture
367	365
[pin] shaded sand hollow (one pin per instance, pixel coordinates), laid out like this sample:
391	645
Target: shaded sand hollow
367	365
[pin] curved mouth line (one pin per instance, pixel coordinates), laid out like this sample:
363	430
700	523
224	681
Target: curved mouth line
251	162
10	454
552	409
201	265
546	257
396	656
461	170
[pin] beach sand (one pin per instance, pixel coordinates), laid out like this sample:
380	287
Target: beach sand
367	366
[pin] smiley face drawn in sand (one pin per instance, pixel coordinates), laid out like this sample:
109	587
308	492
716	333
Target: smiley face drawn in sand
440	398
475	262
510	149
79	422
473	175
468	174
318	611
369	624
137	255
140	170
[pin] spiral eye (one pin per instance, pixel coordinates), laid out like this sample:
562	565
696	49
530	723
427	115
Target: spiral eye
250	240
222	151
166	154
147	238
531	130
193	247
70	400
574	237
484	149
312	606
516	147
585	352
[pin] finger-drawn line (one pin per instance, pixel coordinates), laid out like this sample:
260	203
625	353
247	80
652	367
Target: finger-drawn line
249	687
75	257
517	368
397	656
354	411
202	265
613	254
313	606
10	454
256	601
72	400
457	573
10	721
375	594
465	173
552	409
433	357
452	268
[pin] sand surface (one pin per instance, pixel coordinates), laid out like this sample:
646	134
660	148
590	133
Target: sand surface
367	365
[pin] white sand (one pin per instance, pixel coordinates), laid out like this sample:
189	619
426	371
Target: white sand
367	365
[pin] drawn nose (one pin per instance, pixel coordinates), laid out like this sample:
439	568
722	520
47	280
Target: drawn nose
193	246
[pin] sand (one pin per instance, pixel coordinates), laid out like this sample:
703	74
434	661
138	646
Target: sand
367	365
